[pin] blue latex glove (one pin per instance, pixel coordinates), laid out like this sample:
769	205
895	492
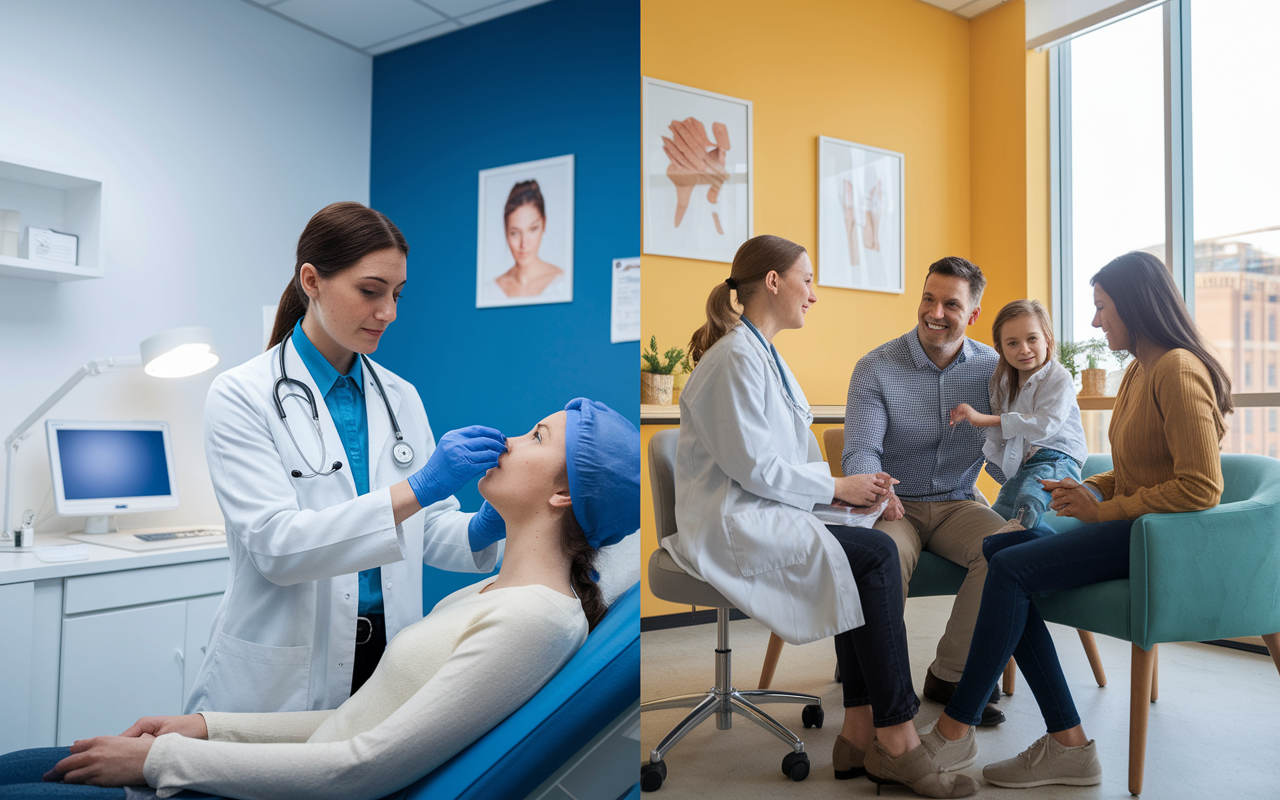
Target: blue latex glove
459	456
485	528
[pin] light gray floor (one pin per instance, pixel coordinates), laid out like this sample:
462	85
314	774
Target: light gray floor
1214	732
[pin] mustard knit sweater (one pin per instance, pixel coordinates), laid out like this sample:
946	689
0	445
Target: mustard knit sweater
1165	439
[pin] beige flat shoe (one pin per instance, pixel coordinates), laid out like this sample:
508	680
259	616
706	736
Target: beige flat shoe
847	759
916	770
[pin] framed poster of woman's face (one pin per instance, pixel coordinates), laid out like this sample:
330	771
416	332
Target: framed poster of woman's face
697	171
861	235
524	252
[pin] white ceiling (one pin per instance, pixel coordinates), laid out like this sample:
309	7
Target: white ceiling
966	8
373	27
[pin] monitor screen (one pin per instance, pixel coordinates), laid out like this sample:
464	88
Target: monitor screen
106	468
101	464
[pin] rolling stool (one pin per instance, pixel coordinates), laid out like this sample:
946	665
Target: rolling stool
669	582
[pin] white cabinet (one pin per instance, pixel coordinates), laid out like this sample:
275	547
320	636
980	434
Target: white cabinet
118	666
132	642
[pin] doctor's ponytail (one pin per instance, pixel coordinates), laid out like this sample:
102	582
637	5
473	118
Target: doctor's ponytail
337	237
755	259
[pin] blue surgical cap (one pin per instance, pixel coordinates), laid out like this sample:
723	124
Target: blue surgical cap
602	452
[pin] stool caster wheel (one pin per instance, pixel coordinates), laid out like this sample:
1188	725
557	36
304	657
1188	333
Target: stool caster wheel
812	716
796	766
652	775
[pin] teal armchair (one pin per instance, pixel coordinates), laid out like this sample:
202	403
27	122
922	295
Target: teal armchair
1193	577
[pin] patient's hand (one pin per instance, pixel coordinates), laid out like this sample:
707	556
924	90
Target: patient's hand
104	761
191	726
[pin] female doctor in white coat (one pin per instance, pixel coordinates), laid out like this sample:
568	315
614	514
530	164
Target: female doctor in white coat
748	472
333	488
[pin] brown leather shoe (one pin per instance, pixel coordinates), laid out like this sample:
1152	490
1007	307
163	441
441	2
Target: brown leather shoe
847	759
940	691
916	770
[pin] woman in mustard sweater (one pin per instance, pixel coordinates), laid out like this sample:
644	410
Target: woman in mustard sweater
1165	434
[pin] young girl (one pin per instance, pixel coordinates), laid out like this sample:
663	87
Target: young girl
1036	433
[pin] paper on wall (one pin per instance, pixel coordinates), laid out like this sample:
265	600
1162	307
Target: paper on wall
625	319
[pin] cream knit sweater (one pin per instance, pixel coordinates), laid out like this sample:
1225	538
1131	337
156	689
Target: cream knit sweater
441	684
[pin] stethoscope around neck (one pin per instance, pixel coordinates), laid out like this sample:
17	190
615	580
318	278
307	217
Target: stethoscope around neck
402	453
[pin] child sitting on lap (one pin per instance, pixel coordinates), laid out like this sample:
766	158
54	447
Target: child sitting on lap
1035	433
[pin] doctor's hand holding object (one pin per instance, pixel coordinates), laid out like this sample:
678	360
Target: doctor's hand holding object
459	456
864	490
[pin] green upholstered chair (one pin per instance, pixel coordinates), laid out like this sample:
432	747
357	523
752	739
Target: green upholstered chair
1193	577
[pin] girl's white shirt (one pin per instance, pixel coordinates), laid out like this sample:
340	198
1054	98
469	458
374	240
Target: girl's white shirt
1044	414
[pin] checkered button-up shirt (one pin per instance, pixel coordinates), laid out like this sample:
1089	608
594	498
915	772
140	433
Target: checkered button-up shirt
898	418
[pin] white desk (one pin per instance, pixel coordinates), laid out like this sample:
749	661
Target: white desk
87	647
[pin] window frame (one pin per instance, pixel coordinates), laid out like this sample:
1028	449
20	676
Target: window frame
1179	194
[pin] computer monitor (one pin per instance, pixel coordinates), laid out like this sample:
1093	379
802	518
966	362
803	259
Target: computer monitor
105	468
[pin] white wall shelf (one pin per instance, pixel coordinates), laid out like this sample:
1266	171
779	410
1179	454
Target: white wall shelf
46	198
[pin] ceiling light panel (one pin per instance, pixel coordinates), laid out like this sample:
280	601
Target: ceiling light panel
360	24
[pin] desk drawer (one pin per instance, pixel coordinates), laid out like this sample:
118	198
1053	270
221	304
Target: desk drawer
139	586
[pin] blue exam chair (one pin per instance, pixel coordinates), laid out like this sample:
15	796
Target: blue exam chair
600	682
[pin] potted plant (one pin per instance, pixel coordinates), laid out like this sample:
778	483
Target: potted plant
680	378
1093	381
656	380
1067	352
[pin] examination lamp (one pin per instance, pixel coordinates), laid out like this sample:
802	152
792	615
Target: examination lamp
175	353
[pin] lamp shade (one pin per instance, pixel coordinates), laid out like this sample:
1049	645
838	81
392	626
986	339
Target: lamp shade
178	352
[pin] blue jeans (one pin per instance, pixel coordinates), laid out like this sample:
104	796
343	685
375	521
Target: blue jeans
1023	494
21	774
874	666
1019	565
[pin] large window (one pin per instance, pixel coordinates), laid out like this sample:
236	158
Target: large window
1165	124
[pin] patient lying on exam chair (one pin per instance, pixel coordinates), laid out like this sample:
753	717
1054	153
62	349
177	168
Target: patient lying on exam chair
565	489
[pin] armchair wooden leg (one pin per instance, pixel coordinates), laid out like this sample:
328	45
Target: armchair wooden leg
1272	641
1095	660
1155	672
1010	676
770	661
1139	711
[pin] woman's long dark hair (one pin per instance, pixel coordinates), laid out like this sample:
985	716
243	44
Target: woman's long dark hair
336	238
582	573
1148	304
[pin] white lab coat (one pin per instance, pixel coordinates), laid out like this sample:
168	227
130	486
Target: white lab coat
284	637
748	472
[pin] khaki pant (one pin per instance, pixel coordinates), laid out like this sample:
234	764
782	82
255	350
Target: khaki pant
953	529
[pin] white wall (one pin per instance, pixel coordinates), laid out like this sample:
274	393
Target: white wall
219	130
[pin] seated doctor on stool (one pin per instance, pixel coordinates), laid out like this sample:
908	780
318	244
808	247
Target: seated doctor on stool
748	473
566	488
333	488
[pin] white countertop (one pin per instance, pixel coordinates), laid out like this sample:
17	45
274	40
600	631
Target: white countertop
23	567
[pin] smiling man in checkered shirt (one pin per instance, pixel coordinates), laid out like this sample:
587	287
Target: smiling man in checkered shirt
898	421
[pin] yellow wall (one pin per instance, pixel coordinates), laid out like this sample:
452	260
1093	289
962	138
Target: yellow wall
964	102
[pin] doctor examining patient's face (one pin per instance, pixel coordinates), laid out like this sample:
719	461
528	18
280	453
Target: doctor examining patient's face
349	311
531	478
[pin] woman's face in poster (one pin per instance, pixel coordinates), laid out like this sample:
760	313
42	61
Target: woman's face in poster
525	227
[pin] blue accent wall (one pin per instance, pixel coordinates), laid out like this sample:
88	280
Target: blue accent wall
558	78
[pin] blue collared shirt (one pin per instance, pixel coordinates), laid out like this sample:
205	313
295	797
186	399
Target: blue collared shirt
898	418
344	397
782	373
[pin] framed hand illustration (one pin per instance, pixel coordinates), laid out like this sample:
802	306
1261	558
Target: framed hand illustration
861	236
524	249
697	171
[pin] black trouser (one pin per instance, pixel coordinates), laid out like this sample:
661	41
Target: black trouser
873	659
371	640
